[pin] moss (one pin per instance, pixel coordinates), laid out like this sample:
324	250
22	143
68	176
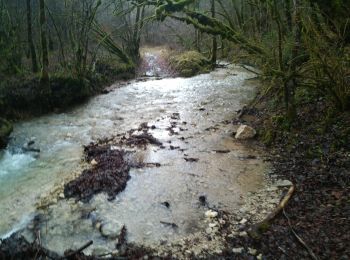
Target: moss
190	63
6	129
267	137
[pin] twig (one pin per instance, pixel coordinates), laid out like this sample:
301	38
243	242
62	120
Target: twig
300	240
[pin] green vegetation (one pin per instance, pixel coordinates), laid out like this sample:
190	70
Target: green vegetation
5	131
190	63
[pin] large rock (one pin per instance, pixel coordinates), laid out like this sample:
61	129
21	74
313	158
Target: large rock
5	131
245	132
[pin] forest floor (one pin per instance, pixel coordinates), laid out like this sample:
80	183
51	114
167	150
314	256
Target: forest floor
315	156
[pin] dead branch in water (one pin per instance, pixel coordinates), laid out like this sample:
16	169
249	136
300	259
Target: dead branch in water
79	250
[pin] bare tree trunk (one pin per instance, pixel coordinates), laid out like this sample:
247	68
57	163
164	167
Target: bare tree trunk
30	38
45	53
287	10
215	42
292	84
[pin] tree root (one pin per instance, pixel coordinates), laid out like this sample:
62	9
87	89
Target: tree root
258	229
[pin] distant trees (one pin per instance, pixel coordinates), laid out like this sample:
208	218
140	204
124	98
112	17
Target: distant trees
294	43
59	36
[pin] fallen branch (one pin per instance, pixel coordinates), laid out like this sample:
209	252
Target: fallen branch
79	250
258	229
300	240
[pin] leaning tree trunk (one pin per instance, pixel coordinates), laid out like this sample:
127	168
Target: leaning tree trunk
45	54
30	38
215	42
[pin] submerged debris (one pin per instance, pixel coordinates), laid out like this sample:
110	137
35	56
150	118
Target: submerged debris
110	174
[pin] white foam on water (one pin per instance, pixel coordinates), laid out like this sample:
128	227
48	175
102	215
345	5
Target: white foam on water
12	163
21	225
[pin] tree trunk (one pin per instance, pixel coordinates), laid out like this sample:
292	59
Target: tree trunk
45	54
215	43
292	84
30	38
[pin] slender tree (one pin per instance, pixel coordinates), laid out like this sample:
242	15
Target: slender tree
44	48
214	39
30	38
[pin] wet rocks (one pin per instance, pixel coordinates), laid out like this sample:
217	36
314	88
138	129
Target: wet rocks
283	183
237	250
211	214
245	132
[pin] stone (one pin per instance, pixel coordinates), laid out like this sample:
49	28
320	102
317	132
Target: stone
245	132
111	230
209	230
238	250
259	257
252	251
211	214
243	234
211	225
61	195
243	221
93	162
99	250
283	183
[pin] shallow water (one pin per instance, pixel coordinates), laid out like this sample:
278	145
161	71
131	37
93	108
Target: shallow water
202	102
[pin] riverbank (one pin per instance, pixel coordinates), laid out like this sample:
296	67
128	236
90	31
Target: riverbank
315	155
22	97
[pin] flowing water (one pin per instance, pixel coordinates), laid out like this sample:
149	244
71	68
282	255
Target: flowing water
203	103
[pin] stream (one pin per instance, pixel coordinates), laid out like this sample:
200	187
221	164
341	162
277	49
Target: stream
202	104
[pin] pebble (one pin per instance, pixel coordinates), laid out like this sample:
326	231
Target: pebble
211	214
93	162
243	234
243	221
259	257
209	230
111	229
252	251
237	250
61	195
283	183
211	225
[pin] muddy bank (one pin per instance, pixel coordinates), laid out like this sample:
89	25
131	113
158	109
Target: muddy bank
23	97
